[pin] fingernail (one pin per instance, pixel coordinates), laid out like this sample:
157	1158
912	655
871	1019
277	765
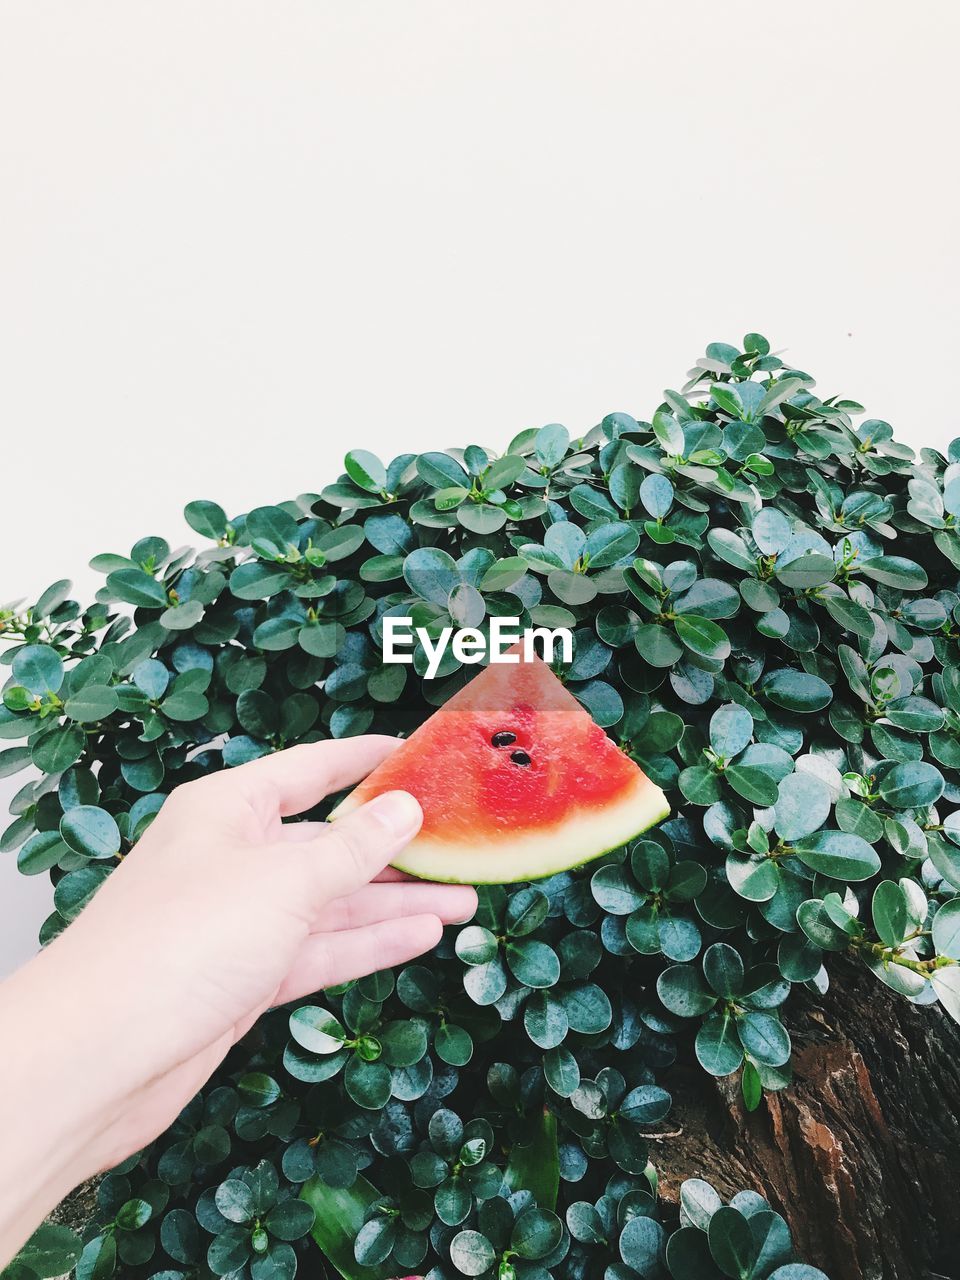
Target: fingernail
463	919
399	812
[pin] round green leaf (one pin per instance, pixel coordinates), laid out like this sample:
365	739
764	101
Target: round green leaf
38	667
838	854
90	830
683	991
803	804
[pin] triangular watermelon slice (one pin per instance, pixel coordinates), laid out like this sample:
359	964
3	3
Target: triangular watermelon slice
516	782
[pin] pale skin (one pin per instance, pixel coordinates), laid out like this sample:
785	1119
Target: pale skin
218	913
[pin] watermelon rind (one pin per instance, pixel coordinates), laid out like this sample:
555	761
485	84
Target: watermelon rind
580	838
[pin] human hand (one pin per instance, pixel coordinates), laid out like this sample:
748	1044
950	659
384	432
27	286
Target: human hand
220	911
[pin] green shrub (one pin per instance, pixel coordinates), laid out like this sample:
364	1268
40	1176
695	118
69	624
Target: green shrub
765	607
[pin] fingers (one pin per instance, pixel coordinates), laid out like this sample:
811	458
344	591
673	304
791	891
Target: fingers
327	959
354	849
297	832
298	778
450	903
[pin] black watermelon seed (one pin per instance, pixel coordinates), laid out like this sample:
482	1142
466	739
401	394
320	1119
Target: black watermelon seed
504	738
519	757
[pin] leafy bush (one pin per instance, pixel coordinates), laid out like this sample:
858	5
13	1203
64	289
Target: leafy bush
765	606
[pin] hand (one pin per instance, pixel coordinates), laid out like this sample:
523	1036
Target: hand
220	911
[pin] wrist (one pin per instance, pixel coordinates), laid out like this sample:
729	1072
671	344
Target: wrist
54	1108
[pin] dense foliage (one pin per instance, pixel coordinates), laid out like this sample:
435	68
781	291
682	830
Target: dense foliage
766	614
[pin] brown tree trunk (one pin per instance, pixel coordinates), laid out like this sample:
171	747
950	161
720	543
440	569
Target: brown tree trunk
861	1154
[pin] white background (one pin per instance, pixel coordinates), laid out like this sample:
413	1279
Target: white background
239	238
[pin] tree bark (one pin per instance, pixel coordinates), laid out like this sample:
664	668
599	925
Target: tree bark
861	1154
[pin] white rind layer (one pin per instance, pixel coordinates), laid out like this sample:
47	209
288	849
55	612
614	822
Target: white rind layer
500	859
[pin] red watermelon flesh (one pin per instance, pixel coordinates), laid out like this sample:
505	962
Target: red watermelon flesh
516	781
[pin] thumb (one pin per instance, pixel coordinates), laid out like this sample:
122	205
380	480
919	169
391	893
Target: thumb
355	848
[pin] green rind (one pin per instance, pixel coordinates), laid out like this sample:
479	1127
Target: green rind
441	873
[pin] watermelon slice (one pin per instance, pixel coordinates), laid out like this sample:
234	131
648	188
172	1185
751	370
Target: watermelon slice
516	782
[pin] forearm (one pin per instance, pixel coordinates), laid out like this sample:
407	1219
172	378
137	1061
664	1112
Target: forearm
53	1107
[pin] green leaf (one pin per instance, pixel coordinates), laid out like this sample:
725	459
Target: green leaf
367	1083
819	928
551	444
683	991
850	615
764	1038
723	969
647	1104
258	1089
440	471
182	617
945	929
700	785
669	433
206	518
536	1233
228	1250
946	983
316	1030
51	599
731	1243
656	494
731	728
184	704
753	782
365	470
271	529
797	691
431	574
698	1202
134	586
504	471
802	805
38	668
718	1046
471	1253
615	890
533	963
99	1258
476	945
810	569
703	637
339	1217
658	646
290	1220
894	571
584	1223
91	831
13	760
257	580
58	749
912	786
235	1201
754	877
838	854
560	1069
134	1214
93	702
51	1251
751	1086
642	1244
889	913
